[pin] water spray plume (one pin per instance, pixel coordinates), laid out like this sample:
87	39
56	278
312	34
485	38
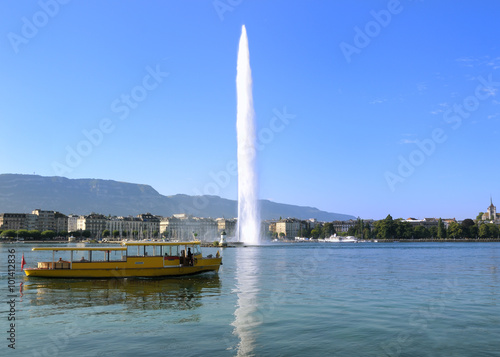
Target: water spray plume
248	211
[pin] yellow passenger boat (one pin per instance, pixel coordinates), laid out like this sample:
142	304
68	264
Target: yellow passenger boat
132	259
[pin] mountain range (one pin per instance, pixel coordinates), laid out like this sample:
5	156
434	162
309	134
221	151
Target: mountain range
24	193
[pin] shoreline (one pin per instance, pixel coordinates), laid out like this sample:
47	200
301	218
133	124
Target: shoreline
210	243
451	240
425	240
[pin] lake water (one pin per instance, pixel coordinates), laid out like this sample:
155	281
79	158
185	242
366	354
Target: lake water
307	299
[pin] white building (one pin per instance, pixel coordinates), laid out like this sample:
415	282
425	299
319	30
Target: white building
290	227
227	225
144	226
72	223
186	227
343	226
491	213
426	222
45	220
95	223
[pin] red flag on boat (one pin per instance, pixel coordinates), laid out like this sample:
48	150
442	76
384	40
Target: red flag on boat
23	262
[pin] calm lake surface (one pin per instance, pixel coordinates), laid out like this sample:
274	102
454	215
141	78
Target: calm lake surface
307	299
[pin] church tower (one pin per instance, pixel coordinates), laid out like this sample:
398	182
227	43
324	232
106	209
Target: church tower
492	211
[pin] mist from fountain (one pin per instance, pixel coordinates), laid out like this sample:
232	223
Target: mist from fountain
248	230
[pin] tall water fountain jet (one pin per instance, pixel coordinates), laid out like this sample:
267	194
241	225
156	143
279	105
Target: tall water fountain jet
248	230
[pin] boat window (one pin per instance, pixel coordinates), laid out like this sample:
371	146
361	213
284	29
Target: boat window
116	255
85	256
130	251
106	255
196	249
151	250
172	250
81	256
148	250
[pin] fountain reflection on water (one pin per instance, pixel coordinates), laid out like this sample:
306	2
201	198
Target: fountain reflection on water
246	316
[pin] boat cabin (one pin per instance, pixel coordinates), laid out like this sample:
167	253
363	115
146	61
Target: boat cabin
81	255
183	254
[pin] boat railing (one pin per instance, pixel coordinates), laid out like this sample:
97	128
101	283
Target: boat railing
143	255
122	259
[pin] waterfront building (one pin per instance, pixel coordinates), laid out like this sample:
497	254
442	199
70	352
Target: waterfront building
448	221
426	222
368	223
186	227
491	213
343	226
143	226
37	220
80	223
290	227
31	222
45	221
61	222
94	223
150	224
312	223
72	223
128	227
14	221
227	225
272	227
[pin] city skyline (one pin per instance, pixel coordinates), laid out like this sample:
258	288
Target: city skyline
487	215
368	109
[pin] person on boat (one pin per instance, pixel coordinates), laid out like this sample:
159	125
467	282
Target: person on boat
190	256
83	259
60	260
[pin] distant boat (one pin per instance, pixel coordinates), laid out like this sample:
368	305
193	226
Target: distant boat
235	244
335	239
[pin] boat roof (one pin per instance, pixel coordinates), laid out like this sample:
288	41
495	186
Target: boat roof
160	243
80	248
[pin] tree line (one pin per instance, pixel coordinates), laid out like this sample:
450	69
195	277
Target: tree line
390	228
49	234
36	234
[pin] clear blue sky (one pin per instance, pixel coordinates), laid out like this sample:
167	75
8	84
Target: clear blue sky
386	106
